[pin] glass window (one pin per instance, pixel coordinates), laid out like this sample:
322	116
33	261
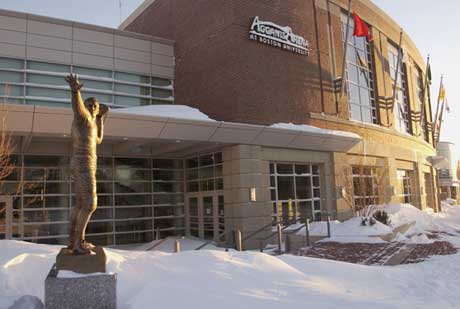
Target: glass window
132	89
167	164
93	72
207	169
11	77
359	76
404	180
9	63
160	93
130	101
420	95
92	84
161	82
132	78
153	90
295	193
46	199
46	79
10	90
401	105
47	93
365	187
101	97
48	103
48	67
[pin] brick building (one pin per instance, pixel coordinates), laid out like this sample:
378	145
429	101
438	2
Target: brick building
282	142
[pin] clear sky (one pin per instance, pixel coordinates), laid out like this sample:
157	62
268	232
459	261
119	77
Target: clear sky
431	25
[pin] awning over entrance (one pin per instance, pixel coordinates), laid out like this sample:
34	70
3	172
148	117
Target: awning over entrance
178	123
438	162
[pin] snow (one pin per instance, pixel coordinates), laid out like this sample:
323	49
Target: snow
354	239
214	278
168	245
422	223
71	274
218	279
349	231
312	129
167	110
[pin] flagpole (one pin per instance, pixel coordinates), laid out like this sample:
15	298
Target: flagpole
425	87
440	121
437	108
344	61
398	63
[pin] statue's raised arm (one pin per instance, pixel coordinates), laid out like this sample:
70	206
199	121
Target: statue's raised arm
77	102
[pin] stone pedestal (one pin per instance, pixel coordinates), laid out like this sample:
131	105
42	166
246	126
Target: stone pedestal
86	286
82	264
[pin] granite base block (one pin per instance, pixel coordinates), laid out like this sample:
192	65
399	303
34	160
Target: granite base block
91	291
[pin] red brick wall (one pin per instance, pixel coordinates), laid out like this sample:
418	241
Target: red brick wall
232	78
226	75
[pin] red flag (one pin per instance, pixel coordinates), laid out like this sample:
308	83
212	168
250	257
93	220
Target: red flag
361	29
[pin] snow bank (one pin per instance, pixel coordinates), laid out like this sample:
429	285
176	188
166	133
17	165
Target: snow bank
217	279
349	231
422	224
446	222
312	129
170	111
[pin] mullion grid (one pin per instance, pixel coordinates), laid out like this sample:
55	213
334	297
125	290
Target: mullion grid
68	182
401	104
406	193
362	196
366	109
420	97
25	84
296	200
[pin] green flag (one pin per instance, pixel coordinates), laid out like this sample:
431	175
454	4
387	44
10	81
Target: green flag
428	74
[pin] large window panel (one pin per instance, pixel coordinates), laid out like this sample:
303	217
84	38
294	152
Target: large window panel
11	77
48	67
359	76
295	192
99	83
46	79
126	204
400	105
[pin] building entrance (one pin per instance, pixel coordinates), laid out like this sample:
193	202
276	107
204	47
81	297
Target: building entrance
205	215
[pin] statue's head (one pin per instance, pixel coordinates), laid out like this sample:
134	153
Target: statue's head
92	105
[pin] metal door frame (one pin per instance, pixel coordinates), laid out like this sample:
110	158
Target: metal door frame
215	211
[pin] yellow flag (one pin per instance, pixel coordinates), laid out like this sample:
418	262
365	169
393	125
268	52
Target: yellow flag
442	93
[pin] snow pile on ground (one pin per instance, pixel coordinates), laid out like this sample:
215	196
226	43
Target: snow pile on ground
217	279
168	245
445	223
419	225
312	129
170	111
348	231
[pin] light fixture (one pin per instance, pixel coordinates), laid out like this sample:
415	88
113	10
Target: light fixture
64	135
125	138
178	141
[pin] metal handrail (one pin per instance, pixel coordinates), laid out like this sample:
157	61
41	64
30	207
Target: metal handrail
257	231
284	228
219	237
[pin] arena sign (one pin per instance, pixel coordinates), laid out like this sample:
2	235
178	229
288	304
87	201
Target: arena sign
269	33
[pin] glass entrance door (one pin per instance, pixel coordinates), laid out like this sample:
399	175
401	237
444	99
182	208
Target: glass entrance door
208	216
205	215
193	217
5	217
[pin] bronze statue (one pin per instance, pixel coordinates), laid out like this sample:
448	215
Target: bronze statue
87	132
